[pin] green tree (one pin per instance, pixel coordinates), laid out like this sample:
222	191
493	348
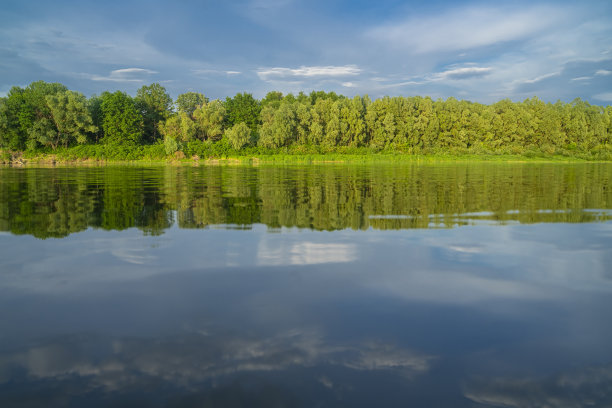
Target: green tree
243	108
352	116
179	127
6	130
321	115
154	104
239	135
608	138
379	122
47	114
71	118
316	95
209	120
27	116
122	122
272	99
94	105
426	125
278	126
303	117
189	102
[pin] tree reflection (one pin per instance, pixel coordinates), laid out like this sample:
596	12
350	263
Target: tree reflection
55	202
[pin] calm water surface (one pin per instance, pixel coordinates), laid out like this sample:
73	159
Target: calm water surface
450	285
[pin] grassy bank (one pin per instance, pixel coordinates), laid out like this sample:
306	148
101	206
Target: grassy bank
221	152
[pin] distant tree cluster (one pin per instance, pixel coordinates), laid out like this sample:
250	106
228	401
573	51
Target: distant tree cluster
48	115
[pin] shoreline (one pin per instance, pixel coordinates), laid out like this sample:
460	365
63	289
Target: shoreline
51	160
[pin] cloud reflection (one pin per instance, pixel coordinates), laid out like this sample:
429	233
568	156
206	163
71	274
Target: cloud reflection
189	360
589	386
272	252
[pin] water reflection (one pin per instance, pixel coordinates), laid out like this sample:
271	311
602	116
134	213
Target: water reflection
190	370
272	252
586	386
232	297
58	201
197	357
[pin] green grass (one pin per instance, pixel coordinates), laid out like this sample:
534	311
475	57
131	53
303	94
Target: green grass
222	152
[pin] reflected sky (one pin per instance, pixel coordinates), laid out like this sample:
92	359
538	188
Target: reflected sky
476	315
486	315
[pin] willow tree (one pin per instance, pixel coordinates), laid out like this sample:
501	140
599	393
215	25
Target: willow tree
278	126
303	118
71	118
352	115
381	123
239	135
209	119
180	127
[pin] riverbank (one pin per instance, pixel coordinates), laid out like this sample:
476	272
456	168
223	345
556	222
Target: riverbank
52	160
211	154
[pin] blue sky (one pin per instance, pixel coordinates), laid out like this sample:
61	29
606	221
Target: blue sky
480	51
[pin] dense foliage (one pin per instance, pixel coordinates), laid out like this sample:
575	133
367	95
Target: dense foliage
49	116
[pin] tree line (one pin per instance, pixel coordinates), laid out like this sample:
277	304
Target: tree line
49	116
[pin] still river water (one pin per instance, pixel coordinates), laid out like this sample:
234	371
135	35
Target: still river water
448	285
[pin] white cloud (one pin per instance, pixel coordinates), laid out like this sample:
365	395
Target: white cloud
215	72
267	74
466	28
123	75
583	78
462	73
539	78
398	84
519	44
111	79
606	96
451	74
127	71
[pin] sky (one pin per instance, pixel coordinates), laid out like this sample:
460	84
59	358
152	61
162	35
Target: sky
474	50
